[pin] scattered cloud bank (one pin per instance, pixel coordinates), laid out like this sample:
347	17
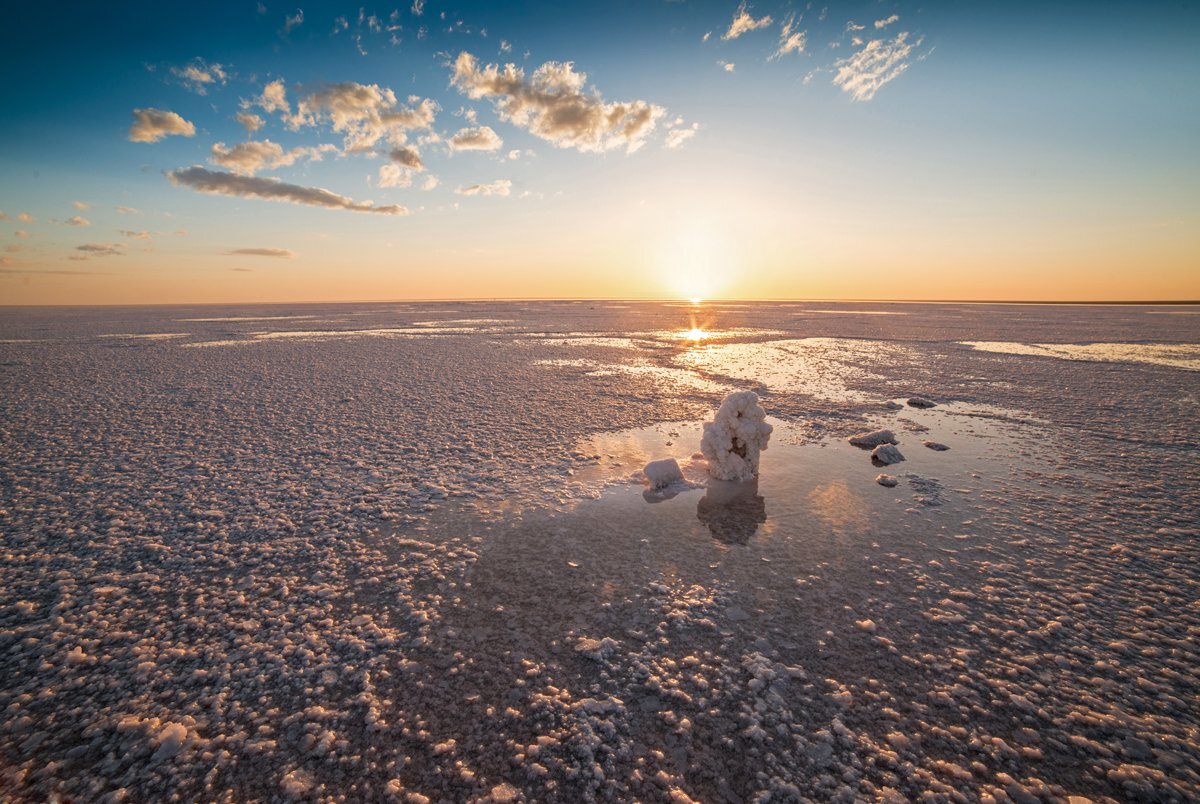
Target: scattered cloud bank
480	138
743	22
215	182
281	253
881	24
363	113
391	175
554	104
247	158
498	187
151	125
198	76
870	69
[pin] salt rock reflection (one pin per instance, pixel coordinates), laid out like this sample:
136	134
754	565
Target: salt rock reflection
732	510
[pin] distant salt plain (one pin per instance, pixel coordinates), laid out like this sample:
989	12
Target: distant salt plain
408	557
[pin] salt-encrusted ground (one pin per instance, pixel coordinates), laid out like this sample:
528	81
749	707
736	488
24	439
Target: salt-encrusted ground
368	551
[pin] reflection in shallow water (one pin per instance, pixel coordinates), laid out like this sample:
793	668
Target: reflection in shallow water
732	511
1177	355
842	509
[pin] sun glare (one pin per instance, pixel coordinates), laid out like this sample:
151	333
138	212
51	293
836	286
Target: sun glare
697	263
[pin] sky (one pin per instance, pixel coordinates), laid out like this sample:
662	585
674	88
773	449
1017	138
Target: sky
265	152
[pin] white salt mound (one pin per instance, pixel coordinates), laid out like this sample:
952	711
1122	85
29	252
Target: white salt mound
661	474
734	439
886	480
921	402
887	454
873	438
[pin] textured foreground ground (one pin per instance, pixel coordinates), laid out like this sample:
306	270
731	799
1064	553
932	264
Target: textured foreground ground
361	552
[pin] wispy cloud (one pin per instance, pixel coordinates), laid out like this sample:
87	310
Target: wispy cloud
480	138
82	206
247	158
128	211
498	187
151	125
293	21
25	217
198	76
555	105
78	220
870	69
218	183
418	7
680	134
363	113
281	253
101	249
881	24
791	40
727	66
132	235
743	22
395	176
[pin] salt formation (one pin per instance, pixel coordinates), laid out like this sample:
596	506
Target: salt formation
734	439
873	438
660	474
889	481
937	446
886	454
921	402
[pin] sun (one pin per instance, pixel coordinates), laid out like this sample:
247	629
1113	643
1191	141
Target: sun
697	263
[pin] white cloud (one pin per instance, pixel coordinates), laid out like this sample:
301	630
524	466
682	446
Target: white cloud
743	22
218	183
880	24
407	156
498	187
395	176
78	220
482	138
555	105
727	66
272	99
128	211
790	39
198	76
247	158
282	253
151	125
430	182
25	217
676	137
135	235
251	122
21	233
879	62
81	205
363	113
293	21
418	7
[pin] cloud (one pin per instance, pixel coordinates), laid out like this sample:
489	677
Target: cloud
251	122
218	183
878	63
135	235
554	105
4	217
25	217
198	76
790	40
418	7
364	113
21	233
676	137
81	205
881	24
6	261
128	211
151	125
407	156
294	21
743	22
430	182
247	158
78	220
481	138
272	99
282	253
395	176
101	249
498	187
727	66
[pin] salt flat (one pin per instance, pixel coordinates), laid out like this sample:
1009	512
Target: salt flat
354	552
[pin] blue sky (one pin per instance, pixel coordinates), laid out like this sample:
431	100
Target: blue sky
890	150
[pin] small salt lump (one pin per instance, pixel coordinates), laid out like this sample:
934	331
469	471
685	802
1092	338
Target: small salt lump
734	439
921	402
886	454
873	438
660	474
936	446
888	481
